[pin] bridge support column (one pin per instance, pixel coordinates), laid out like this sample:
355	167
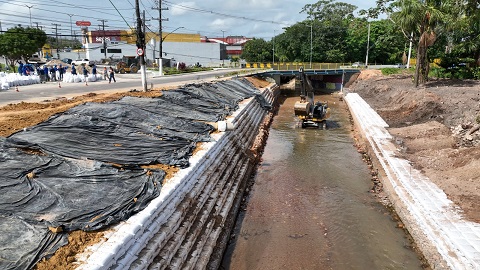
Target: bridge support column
277	79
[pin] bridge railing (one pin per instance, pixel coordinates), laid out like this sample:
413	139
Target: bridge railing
297	65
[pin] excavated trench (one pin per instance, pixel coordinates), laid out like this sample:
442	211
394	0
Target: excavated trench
311	205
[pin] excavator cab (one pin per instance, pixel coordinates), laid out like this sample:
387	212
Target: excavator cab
309	112
129	64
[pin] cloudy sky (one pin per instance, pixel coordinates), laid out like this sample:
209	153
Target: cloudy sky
251	18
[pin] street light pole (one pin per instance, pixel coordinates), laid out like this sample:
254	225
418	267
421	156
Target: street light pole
223	50
160	66
273	41
410	51
71	28
311	44
368	45
30	11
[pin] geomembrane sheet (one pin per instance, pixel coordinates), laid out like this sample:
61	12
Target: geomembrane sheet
81	170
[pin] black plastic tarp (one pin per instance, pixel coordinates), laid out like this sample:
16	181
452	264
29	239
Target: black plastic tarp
116	133
23	244
138	131
82	169
41	191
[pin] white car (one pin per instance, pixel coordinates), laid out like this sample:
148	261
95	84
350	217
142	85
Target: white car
358	64
85	61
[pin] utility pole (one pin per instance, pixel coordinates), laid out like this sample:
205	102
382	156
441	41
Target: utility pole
56	37
145	32
160	34
104	39
36	24
141	44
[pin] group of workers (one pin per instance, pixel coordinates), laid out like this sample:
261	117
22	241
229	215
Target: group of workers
55	73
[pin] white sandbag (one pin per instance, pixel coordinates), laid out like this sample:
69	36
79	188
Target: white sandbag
4	85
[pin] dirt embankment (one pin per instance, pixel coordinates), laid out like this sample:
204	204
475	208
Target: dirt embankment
437	128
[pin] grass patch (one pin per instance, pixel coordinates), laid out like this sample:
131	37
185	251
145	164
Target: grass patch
391	71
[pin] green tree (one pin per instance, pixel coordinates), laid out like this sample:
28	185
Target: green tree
330	11
422	18
387	43
235	60
20	43
464	40
330	21
257	50
293	44
321	36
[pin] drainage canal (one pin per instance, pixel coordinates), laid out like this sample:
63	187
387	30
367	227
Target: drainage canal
310	206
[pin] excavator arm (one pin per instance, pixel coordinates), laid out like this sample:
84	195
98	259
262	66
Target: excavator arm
309	112
303	107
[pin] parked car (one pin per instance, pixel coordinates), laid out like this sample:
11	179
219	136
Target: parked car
398	65
84	61
36	59
358	64
67	60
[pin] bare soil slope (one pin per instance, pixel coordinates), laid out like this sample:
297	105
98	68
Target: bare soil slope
436	126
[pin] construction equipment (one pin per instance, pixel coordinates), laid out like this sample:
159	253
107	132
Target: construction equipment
128	64
309	112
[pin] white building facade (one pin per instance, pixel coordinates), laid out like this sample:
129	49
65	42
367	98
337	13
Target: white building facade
178	48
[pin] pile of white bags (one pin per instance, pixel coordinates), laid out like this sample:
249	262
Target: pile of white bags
69	78
8	80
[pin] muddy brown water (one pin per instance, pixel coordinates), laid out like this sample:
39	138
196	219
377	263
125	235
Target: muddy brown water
310	206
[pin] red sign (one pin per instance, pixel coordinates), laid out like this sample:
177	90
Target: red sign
139	51
83	23
107	35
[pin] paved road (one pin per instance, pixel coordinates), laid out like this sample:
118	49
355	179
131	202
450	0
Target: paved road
125	82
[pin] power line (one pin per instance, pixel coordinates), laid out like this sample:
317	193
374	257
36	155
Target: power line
222	14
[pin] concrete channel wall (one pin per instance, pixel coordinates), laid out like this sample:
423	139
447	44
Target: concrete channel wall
187	226
444	237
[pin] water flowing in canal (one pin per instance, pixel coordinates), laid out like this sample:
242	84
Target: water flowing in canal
310	206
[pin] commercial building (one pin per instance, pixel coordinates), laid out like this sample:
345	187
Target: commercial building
190	49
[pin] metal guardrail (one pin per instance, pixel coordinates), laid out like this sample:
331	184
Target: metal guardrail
297	65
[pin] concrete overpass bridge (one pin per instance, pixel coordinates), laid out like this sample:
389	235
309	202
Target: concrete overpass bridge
321	79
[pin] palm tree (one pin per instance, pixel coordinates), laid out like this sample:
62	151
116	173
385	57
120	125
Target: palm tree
421	17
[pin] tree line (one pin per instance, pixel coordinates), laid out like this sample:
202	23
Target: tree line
447	30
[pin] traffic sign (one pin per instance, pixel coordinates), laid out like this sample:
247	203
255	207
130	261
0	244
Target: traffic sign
139	51
83	23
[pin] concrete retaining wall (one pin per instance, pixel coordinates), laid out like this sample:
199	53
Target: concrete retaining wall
186	226
445	238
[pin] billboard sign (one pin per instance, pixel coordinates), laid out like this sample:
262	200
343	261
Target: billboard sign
83	23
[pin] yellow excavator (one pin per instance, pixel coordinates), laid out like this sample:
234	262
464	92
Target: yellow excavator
128	64
309	112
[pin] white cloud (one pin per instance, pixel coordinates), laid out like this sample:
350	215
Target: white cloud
182	8
251	4
223	24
